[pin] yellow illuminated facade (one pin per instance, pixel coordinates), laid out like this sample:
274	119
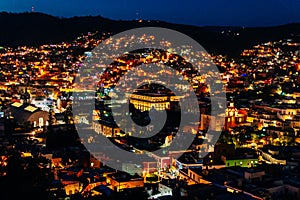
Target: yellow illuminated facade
148	102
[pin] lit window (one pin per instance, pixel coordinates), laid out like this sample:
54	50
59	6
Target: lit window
41	121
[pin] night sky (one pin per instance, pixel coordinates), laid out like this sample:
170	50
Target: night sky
194	12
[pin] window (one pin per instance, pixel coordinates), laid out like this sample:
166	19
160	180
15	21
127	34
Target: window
41	121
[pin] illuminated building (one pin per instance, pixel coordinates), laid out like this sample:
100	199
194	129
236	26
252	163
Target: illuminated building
162	162
105	128
150	167
242	162
72	187
152	178
120	180
28	115
163	191
187	160
271	155
232	118
149	101
213	122
195	175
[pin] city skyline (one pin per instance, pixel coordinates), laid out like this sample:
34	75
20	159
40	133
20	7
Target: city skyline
92	108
